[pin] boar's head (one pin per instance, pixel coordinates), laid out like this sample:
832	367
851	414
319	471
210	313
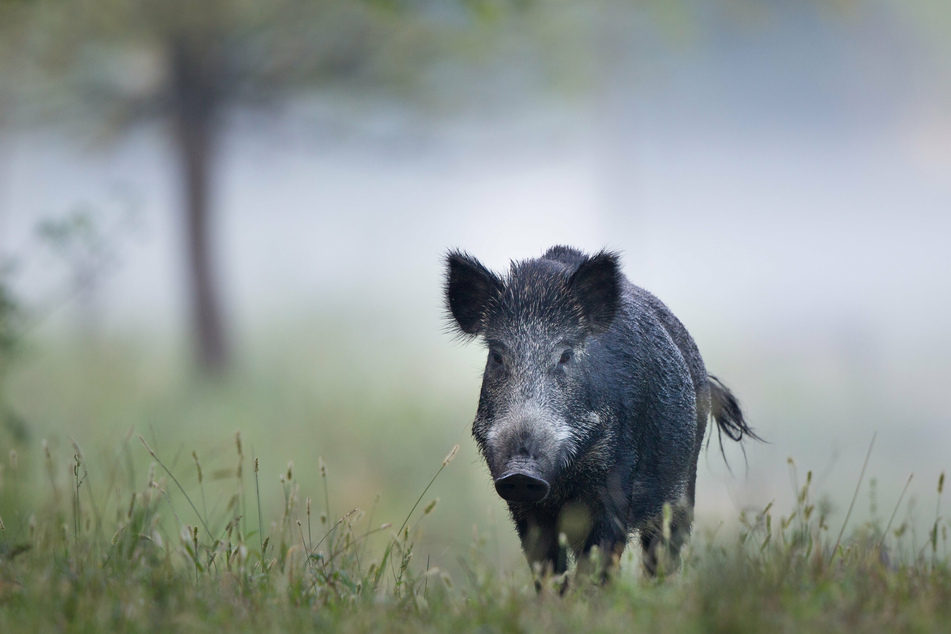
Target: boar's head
538	406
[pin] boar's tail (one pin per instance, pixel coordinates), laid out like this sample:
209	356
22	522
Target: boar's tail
727	414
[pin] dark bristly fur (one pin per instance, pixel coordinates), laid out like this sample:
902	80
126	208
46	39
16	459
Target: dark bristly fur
468	288
725	410
593	407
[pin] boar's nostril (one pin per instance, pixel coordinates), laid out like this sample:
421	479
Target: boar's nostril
519	486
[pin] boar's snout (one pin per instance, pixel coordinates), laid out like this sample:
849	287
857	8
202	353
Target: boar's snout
521	485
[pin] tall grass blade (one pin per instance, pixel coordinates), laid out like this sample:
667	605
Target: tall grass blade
855	496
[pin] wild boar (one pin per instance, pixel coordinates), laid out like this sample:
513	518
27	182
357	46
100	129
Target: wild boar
593	407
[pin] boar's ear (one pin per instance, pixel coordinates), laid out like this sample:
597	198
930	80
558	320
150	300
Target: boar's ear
470	289
596	286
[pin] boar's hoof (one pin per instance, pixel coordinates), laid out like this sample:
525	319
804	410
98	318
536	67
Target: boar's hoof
519	486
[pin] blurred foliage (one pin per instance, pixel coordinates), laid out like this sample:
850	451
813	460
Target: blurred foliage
114	61
13	429
190	63
117	57
89	251
14	432
8	312
78	240
89	241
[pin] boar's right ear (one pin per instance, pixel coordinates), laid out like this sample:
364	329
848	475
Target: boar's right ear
470	289
596	286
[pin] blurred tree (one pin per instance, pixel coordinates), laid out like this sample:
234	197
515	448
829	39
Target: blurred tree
188	63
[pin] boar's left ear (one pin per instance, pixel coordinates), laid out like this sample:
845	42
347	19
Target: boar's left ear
470	290
596	286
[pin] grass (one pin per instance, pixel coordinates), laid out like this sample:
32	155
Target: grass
97	554
192	527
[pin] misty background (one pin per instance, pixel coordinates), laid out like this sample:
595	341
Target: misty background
779	174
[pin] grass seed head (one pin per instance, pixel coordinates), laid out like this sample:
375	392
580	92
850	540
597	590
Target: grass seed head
76	449
131	506
13	459
940	483
451	455
197	465
149	449
185	536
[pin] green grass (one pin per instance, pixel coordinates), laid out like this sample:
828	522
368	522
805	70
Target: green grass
99	555
193	527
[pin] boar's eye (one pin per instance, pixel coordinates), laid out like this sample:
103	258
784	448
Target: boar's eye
565	356
496	358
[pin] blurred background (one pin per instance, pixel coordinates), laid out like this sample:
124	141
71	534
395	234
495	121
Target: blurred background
231	216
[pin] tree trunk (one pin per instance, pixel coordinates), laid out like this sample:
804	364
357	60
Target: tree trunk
194	105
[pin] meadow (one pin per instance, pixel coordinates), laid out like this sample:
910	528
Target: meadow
317	494
777	173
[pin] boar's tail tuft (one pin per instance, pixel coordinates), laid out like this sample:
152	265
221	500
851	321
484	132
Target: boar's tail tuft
727	414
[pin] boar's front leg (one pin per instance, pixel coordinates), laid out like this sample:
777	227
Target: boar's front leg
601	548
601	553
540	544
